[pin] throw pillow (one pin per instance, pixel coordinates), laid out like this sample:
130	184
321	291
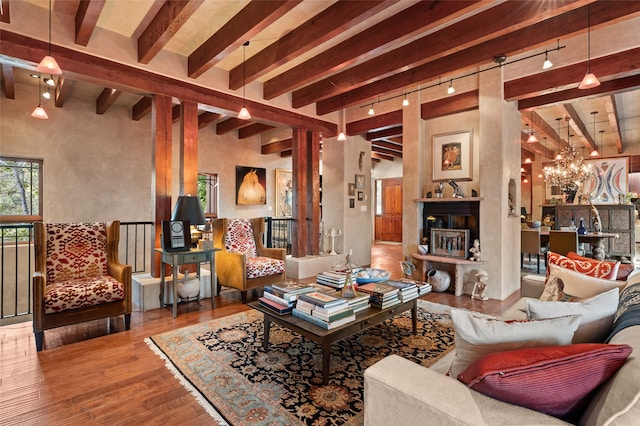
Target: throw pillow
591	267
476	336
554	380
624	269
628	313
596	314
580	285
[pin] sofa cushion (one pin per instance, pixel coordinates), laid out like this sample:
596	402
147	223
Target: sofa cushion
624	269
82	293
76	250
591	267
239	238
476	336
261	266
554	380
576	284
596	314
628	311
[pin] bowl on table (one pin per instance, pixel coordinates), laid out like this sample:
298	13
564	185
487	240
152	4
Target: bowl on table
372	275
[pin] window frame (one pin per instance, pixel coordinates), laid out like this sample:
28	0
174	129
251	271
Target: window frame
211	198
32	217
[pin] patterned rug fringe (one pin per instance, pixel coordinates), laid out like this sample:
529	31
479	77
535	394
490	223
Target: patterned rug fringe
187	384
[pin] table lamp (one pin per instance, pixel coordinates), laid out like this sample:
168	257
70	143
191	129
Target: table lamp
188	207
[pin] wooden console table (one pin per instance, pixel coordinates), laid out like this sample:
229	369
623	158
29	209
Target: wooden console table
460	265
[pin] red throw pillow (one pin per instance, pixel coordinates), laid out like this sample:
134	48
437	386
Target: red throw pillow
623	270
553	379
591	267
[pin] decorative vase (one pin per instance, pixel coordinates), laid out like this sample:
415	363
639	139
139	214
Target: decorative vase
439	280
581	229
188	287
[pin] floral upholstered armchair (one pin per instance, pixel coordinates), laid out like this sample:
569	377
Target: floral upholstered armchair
244	262
77	275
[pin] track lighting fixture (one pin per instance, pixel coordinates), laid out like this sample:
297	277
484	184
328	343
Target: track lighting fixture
547	63
405	102
371	111
451	90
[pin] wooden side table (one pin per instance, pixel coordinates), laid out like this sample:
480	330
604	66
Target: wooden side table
177	258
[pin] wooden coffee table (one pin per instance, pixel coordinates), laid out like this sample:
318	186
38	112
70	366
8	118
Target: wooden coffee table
364	319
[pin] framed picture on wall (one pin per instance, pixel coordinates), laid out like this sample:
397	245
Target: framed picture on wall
284	193
352	203
608	181
360	179
251	184
360	195
450	242
452	156
352	188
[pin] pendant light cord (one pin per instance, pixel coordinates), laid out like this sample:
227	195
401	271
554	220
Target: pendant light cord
49	27
588	38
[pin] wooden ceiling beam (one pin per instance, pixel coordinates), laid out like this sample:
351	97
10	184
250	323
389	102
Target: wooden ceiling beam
384	134
86	19
387	145
279	146
231	124
536	146
252	130
378	122
286	153
141	108
541	33
420	17
605	67
81	66
580	127
8	83
561	96
207	118
250	21
5	16
467	101
63	90
175	113
385	151
611	105
329	23
106	99
165	24
376	156
459	36
537	123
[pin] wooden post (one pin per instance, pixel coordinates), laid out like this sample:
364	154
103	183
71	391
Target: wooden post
188	148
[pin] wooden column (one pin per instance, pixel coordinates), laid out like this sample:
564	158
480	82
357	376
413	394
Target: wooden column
306	192
188	148
161	183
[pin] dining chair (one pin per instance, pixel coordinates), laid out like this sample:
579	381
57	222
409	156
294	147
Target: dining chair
530	244
562	242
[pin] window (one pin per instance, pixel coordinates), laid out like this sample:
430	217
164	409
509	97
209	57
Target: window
20	189
378	197
208	193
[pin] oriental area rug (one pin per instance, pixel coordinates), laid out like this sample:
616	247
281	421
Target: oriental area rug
223	364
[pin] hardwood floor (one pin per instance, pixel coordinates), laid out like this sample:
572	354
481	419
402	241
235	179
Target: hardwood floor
98	373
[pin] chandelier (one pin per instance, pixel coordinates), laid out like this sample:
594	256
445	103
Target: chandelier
569	172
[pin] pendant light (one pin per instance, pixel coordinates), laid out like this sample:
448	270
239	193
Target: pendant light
39	112
595	152
547	63
405	102
244	113
451	90
371	110
590	80
342	137
48	64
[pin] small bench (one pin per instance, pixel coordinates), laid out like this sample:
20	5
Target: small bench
460	265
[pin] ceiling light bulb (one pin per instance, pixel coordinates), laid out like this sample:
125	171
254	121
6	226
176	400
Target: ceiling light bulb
46	95
547	63
244	114
49	65
342	137
594	153
40	113
527	160
589	81
525	180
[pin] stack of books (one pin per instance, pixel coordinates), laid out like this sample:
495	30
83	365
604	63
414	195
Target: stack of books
332	279
382	295
323	310
281	298
423	287
360	302
407	290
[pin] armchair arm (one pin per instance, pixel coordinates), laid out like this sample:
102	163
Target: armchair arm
231	269
274	253
39	282
122	273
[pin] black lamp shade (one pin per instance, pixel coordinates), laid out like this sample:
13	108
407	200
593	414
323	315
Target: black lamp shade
189	208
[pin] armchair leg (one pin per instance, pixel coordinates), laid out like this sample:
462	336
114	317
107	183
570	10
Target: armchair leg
244	296
127	321
39	335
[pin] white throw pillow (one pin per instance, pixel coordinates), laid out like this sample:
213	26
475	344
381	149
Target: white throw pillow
596	314
477	336
580	285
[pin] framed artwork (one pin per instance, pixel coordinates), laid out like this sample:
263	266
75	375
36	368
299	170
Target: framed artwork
352	203
251	184
450	242
609	179
284	193
352	189
452	156
360	181
360	195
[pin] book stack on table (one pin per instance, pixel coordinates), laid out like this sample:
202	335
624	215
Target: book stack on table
407	290
323	310
281	298
360	302
382	295
332	279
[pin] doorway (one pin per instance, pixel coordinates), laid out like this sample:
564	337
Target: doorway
388	218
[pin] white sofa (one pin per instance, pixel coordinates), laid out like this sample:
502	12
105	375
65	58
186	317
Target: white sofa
401	392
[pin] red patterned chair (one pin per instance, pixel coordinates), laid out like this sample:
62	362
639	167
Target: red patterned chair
77	276
244	262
